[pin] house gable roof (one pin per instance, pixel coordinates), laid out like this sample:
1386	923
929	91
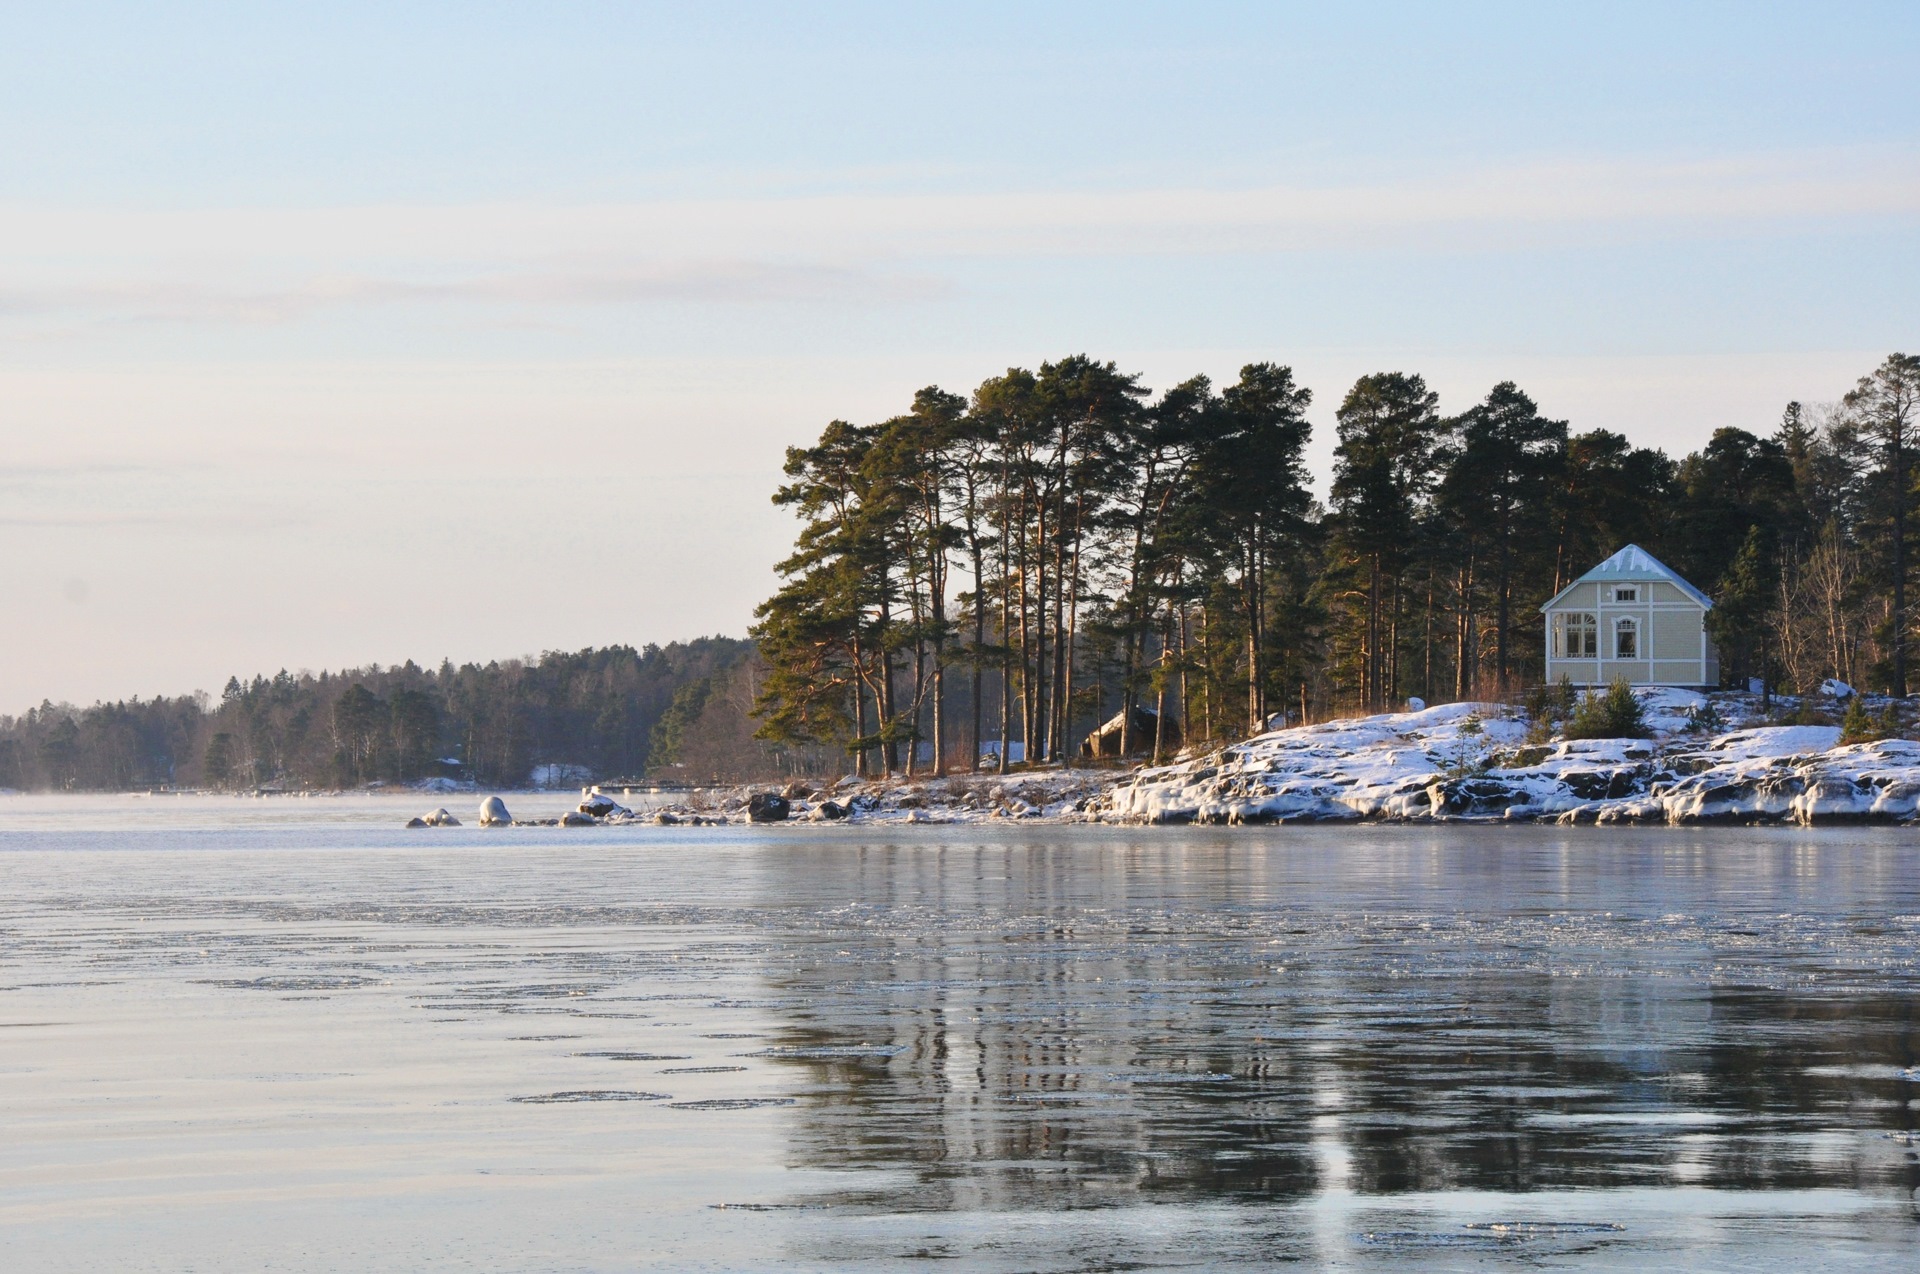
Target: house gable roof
1629	564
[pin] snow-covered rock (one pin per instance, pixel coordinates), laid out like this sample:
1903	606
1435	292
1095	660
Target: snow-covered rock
1669	709
493	813
1834	688
1777	774
1470	761
1770	741
1394	765
768	807
597	804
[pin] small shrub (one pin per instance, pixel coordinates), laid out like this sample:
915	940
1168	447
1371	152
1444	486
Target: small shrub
1804	713
1613	715
1553	702
1861	726
1547	706
1465	764
1706	720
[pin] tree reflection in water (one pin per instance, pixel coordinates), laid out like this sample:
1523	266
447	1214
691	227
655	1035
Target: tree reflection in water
1082	1017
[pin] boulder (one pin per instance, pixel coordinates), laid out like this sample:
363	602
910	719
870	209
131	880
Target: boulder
1416	704
768	807
440	818
829	810
493	813
597	804
799	789
1834	688
662	818
1475	798
574	818
1609	784
418	822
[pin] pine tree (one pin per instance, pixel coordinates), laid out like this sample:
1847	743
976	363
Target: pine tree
1884	409
1499	489
1384	471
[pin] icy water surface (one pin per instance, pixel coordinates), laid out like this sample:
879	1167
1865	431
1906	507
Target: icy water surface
289	1035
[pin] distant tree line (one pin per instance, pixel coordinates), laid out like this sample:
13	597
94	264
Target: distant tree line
595	710
997	572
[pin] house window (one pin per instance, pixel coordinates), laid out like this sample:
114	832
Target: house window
1626	639
1579	636
1625	594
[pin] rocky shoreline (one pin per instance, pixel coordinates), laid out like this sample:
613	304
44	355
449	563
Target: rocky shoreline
1705	759
1420	770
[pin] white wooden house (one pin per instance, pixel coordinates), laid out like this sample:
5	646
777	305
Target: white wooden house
1631	618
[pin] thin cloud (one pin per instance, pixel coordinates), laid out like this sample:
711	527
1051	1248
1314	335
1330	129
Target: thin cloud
729	241
266	266
713	283
210	523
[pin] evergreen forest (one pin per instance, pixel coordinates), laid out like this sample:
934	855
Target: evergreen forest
990	576
563	718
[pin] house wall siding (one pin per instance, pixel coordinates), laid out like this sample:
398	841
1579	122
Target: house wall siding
1581	597
1673	648
1676	634
1662	593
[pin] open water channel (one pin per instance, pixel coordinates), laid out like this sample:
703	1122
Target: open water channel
289	1035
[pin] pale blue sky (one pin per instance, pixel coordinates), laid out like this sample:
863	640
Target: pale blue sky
355	333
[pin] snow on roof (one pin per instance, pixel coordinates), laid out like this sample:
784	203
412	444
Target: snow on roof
1634	563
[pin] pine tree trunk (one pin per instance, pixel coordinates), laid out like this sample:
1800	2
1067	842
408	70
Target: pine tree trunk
1160	692
1067	649
1256	680
979	641
1900	497
1186	704
1206	675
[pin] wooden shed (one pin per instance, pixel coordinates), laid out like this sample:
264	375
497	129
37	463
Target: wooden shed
1631	618
1106	740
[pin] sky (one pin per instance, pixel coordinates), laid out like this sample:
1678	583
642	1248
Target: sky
341	334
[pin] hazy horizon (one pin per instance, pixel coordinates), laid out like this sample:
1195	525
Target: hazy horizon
343	338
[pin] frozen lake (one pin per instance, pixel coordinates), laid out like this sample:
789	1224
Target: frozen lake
288	1034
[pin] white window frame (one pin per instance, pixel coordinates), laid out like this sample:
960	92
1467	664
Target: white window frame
1621	627
1631	593
1566	624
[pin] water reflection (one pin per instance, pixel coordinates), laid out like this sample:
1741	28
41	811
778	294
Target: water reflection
1024	1049
1073	1022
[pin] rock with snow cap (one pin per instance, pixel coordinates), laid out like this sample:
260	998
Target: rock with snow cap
597	804
768	807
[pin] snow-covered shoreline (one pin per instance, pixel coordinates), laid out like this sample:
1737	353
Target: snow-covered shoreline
1471	762
1480	762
